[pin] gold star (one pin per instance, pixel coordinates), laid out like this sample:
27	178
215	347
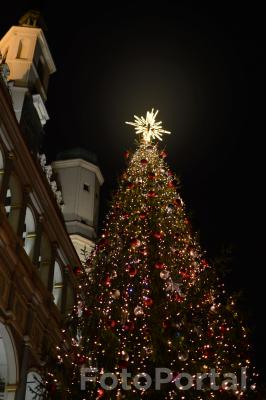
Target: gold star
148	127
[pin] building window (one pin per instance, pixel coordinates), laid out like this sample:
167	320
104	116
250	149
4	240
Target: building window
23	49
8	202
13	202
3	368
29	232
57	284
8	364
86	187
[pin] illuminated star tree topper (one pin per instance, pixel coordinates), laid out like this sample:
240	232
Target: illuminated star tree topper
148	127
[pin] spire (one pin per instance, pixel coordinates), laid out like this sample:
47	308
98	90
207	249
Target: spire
33	19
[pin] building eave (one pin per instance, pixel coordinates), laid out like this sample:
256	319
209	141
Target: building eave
78	162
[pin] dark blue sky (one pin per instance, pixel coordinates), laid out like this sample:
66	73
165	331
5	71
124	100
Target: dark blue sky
203	67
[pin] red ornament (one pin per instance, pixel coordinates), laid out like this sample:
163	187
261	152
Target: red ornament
100	392
125	216
77	271
107	281
130	185
129	326
177	202
146	331
178	298
151	176
184	274
170	173
144	161
163	154
204	263
102	242
126	154
142	216
148	302
222	328
167	324
159	265
111	323
134	243
132	271
80	359
87	312
207	353
171	184
157	235
151	194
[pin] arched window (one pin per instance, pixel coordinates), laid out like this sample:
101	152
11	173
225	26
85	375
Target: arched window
34	388
3	369
8	365
29	232
45	259
1	166
8	202
13	202
57	284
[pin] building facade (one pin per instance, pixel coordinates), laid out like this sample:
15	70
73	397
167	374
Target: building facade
44	223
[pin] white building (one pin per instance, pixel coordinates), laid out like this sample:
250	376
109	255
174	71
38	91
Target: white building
80	179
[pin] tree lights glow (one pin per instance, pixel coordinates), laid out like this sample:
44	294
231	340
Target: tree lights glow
151	299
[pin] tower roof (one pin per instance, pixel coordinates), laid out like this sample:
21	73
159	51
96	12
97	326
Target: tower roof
77	152
33	19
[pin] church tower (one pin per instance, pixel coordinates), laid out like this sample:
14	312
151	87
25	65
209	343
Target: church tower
29	64
80	179
25	50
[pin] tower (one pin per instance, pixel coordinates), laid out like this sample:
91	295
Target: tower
25	55
37	258
26	52
80	179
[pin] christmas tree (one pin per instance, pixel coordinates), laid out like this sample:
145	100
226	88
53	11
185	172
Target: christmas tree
152	319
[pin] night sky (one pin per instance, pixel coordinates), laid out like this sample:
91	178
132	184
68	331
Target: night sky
203	68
